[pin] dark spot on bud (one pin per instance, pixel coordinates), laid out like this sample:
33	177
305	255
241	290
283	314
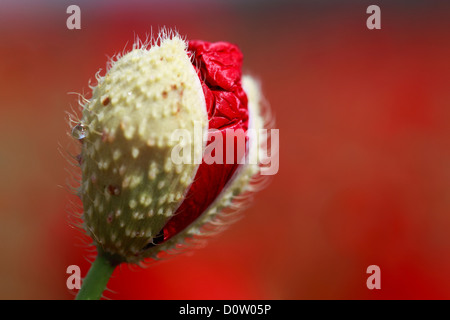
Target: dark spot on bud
110	217
106	101
114	190
164	94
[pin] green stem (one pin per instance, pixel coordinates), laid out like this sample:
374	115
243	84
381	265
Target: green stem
98	276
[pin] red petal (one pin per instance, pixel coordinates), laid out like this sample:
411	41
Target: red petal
219	64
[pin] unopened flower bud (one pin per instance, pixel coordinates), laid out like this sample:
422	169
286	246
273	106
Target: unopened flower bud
137	201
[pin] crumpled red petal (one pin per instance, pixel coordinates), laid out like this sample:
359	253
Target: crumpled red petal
219	68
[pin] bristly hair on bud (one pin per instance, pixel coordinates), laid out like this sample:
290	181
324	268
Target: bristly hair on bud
138	205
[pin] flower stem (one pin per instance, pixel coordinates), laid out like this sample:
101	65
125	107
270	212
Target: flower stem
98	276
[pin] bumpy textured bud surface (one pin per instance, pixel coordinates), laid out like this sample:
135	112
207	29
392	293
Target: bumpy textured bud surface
137	202
130	185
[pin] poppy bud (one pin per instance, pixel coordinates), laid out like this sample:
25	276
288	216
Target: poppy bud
137	201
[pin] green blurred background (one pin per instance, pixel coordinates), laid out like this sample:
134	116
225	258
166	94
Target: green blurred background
364	148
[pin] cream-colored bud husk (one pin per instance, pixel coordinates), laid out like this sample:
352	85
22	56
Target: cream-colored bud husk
130	186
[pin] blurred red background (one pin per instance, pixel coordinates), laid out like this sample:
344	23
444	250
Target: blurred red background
364	149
